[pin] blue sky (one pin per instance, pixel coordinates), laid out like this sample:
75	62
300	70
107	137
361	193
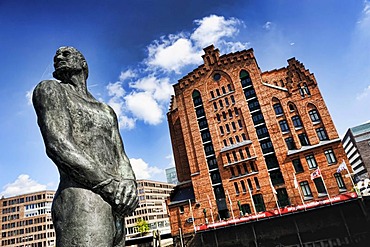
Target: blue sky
137	49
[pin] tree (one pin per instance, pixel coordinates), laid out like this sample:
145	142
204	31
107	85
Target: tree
142	226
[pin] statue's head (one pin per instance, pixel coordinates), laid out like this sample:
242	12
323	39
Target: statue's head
68	61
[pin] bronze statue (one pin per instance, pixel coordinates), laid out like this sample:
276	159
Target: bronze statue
97	184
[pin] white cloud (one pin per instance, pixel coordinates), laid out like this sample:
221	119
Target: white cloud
128	74
22	185
148	96
214	28
172	54
364	94
144	107
143	170
160	89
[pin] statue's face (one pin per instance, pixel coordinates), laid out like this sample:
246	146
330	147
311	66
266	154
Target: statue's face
67	59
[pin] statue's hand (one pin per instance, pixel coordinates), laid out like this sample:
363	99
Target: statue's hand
121	195
126	199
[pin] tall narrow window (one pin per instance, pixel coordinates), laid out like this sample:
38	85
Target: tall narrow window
330	157
296	121
244	136
218	92
303	139
221	104
218	117
212	95
245	168
243	186
234	156
228	158
229	87
340	182
250	186
284	126
237	139
214	106
257	183
297	165
239	170
223	90
236	111
226	102
230	113
259	203
306	191
236	188
240	123
227	128
314	115
232	172
311	162
290	143
278	109
233	125
321	134
320	186
241	154
224	115
231	140
232	99
221	130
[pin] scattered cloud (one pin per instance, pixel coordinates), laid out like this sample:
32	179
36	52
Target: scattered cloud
149	85
267	25
22	185
364	94
143	170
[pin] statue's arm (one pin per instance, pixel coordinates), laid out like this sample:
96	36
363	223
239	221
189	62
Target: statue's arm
56	128
127	198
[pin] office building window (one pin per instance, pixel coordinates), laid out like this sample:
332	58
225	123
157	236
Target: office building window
257	183
240	123
237	138
330	157
297	165
221	130
232	99
212	95
321	134
250	186
311	162
220	103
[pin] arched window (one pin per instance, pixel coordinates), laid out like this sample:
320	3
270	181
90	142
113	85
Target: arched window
243	186
245	78
197	100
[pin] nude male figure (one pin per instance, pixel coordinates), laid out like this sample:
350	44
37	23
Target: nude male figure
97	184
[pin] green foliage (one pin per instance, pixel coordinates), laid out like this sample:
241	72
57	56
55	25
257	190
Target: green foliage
142	226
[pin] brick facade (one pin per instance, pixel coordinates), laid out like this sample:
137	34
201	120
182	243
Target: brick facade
229	123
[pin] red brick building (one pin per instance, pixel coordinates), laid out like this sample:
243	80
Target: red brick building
240	134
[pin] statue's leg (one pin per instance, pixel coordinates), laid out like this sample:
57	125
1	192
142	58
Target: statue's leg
119	238
82	218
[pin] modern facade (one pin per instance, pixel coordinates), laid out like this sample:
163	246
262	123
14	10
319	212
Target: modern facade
247	141
356	143
171	175
152	208
26	220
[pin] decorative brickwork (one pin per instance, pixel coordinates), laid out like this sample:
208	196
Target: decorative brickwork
240	134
